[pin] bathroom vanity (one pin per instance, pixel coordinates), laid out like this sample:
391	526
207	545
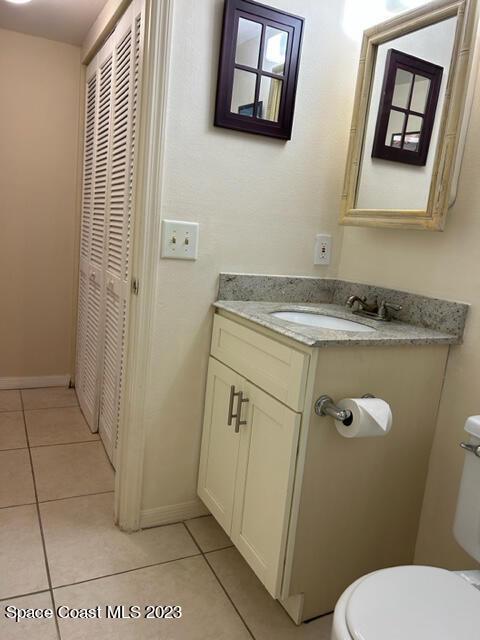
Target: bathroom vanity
311	511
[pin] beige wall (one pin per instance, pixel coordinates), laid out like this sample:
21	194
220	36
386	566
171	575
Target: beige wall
259	203
445	265
39	116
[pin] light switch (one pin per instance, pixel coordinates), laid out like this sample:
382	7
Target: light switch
179	240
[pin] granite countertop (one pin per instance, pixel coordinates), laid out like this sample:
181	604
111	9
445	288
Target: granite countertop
387	333
421	319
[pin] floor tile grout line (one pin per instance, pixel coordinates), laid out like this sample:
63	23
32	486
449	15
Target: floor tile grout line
24	595
40	524
219	581
228	596
15	506
57	406
62	444
119	573
54	444
80	495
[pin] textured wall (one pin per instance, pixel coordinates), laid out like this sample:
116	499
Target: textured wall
40	112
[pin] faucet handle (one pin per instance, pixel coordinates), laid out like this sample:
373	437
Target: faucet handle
393	307
386	308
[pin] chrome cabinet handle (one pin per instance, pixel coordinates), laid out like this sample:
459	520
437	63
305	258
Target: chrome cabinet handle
473	448
231	415
239	422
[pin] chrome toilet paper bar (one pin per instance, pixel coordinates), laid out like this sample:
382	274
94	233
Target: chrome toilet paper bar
325	406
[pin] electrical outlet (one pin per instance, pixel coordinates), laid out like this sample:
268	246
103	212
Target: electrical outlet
323	249
180	240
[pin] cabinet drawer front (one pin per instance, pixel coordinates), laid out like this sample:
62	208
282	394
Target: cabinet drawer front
271	365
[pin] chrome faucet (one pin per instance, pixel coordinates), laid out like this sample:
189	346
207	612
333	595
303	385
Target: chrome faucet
383	311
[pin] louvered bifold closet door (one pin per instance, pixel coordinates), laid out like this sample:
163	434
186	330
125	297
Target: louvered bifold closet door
126	78
92	242
81	376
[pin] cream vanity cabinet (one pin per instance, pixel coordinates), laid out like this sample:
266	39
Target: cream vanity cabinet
311	511
250	442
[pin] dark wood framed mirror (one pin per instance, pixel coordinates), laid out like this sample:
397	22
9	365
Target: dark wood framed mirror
258	70
407	109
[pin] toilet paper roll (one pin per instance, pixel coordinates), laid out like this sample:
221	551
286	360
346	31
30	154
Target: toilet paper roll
371	417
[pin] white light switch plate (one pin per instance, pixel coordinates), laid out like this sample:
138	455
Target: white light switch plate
179	240
323	249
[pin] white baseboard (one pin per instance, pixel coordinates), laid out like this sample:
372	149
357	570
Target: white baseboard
35	382
172	513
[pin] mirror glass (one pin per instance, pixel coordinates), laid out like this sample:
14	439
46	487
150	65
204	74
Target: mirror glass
401	91
269	99
406	105
396	123
421	87
275	51
249	37
243	94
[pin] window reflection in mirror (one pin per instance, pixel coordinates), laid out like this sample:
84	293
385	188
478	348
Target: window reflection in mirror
270	96
248	43
421	88
243	95
275	52
401	93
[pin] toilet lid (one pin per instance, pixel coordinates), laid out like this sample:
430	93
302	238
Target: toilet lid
414	603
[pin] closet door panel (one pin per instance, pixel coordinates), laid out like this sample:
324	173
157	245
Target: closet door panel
83	373
92	239
119	223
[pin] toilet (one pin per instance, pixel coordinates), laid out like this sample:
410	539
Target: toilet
422	603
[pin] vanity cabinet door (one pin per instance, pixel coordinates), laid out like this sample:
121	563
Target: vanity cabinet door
220	443
263	495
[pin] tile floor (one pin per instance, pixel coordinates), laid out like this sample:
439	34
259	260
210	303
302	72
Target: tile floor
59	547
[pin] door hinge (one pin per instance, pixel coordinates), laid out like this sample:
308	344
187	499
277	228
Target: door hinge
135	286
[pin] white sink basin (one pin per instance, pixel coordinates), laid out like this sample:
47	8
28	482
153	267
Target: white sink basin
323	322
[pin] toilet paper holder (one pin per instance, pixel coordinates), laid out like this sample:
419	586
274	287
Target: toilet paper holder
325	406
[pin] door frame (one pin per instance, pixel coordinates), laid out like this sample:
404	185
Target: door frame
145	256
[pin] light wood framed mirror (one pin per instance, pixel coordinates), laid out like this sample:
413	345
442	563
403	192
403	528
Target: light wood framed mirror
408	110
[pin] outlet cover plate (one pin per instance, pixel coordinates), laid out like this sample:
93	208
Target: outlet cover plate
323	249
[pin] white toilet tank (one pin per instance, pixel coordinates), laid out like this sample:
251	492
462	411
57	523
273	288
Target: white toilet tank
467	518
